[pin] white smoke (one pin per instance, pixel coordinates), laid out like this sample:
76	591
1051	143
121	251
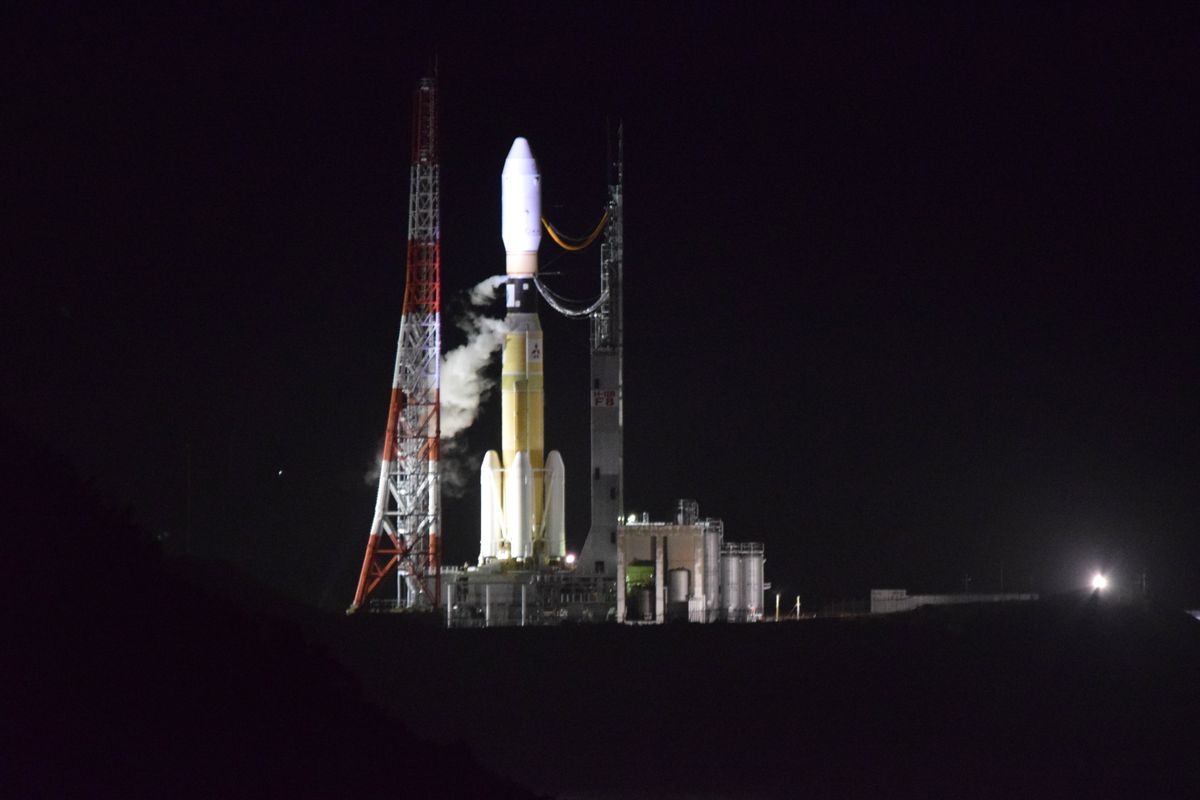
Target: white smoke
465	382
371	476
457	470
485	291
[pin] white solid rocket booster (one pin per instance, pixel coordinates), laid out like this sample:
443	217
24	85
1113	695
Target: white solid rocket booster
522	487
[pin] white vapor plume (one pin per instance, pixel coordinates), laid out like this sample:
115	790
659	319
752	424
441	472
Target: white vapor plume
456	467
371	476
483	292
465	382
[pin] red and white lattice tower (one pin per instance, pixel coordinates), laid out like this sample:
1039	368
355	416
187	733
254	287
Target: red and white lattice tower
407	523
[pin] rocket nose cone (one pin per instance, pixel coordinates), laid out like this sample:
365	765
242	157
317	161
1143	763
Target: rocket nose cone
520	158
520	209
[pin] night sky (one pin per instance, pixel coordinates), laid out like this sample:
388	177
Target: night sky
911	294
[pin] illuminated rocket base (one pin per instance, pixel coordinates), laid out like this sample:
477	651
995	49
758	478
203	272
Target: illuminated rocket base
522	488
522	492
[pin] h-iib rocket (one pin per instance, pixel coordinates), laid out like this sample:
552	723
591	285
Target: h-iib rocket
522	488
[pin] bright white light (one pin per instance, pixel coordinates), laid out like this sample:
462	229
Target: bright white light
570	559
1099	582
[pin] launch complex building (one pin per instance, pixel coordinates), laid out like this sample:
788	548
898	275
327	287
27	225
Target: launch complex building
629	570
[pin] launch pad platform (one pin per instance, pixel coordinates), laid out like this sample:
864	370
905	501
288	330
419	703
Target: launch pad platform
508	594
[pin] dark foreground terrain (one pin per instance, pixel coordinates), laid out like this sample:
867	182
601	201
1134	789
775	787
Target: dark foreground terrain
1072	697
127	675
131	675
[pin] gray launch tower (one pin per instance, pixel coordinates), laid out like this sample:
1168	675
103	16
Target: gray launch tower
599	554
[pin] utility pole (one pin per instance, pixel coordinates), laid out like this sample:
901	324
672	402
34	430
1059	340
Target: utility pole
187	520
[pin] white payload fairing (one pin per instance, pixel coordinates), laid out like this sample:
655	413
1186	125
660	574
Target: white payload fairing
522	488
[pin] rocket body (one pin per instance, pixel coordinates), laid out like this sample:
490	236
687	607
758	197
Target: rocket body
521	514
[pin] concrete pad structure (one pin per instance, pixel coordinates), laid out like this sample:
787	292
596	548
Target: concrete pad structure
889	601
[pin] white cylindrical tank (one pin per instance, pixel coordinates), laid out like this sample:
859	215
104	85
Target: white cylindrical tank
678	585
752	582
712	568
556	537
491	512
518	505
731	585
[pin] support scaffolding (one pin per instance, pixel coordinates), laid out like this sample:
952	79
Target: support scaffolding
406	525
599	554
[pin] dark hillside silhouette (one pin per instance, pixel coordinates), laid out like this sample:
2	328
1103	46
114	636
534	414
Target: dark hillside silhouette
125	678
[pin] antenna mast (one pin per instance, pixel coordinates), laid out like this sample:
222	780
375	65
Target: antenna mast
406	527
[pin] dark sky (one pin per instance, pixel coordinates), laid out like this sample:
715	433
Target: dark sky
910	294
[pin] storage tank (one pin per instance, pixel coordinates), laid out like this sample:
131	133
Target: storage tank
712	568
678	585
752	580
641	605
731	585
